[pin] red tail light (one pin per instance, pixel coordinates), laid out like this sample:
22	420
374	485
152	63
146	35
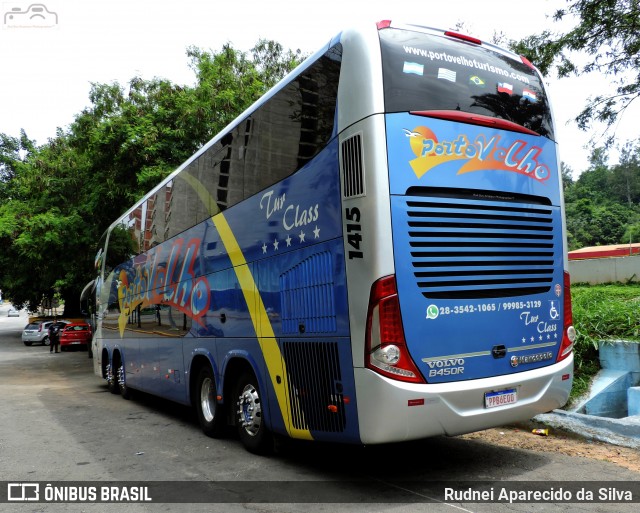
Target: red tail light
474	119
568	332
383	24
463	37
385	349
527	62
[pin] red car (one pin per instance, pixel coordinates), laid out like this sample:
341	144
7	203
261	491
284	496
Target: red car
75	334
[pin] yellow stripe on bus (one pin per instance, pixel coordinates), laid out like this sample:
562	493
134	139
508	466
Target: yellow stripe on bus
259	317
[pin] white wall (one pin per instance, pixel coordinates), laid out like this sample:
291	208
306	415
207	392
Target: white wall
605	270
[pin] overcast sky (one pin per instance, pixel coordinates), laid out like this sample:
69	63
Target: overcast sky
46	72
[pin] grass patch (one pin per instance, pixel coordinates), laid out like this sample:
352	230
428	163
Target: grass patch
601	313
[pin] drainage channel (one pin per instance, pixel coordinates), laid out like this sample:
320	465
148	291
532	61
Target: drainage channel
611	413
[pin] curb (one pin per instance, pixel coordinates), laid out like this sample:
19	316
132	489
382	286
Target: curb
624	432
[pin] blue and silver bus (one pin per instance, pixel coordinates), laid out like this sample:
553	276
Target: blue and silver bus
372	252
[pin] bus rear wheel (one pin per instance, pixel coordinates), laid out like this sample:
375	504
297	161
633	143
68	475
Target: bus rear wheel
112	380
250	423
120	376
210	413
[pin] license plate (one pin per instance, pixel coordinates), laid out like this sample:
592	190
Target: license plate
500	398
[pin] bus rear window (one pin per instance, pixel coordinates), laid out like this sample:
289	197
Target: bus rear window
425	72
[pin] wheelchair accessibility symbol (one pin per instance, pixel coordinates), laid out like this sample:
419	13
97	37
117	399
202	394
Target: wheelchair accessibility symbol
553	311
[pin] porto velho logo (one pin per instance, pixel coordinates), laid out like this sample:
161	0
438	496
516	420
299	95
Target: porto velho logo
484	153
165	277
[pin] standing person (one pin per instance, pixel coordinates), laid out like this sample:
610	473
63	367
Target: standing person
54	338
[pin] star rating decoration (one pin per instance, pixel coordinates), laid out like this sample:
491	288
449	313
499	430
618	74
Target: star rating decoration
290	239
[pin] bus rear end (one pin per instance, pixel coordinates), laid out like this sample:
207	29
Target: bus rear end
472	328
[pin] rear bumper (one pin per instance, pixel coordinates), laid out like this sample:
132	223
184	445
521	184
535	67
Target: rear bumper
33	338
73	343
392	411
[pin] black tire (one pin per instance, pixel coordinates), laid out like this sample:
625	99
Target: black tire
112	381
250	421
211	414
27	343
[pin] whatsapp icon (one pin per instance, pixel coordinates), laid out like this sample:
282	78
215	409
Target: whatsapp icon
432	312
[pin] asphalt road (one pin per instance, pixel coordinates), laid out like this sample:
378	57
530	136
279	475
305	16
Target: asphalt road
60	425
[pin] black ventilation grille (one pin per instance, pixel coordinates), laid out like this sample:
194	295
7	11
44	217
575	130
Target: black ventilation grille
315	385
480	245
352	167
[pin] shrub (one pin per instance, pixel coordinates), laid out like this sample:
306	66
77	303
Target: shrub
601	313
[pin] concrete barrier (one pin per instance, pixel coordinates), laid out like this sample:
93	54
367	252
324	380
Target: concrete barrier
633	400
605	270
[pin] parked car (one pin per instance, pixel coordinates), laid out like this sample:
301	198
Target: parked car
37	332
13	313
77	334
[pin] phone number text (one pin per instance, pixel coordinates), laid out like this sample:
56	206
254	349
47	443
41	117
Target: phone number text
488	307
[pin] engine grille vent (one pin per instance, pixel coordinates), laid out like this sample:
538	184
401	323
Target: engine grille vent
315	388
352	167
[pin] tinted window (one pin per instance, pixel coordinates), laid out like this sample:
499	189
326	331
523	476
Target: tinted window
428	72
292	127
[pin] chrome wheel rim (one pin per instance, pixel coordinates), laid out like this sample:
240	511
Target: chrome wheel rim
207	400
250	410
120	376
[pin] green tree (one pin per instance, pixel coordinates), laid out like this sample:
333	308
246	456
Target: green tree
603	204
608	33
58	198
625	180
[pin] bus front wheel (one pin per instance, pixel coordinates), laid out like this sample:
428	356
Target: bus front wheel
210	414
250	423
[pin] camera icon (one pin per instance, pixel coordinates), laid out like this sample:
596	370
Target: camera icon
34	16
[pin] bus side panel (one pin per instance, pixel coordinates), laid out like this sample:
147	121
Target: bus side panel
304	294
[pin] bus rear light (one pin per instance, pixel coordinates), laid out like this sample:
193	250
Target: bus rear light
383	24
474	119
463	37
568	332
385	349
527	62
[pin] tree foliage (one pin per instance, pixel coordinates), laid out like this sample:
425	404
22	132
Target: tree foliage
603	204
56	199
608	33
